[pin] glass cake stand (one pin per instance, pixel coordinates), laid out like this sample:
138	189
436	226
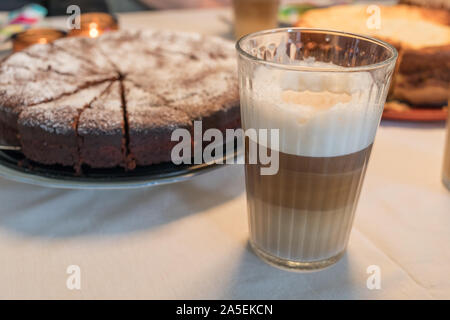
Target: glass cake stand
12	168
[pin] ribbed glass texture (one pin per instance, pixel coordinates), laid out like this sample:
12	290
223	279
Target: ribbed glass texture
301	217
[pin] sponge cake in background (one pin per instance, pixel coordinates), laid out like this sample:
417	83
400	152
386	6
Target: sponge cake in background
436	4
421	35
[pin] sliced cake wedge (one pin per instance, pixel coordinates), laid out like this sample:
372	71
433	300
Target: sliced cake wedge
48	131
101	130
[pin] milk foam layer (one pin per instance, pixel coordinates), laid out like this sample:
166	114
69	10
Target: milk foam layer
287	100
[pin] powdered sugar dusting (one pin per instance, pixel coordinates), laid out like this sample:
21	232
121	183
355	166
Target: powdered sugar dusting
59	115
104	115
169	80
147	110
86	49
49	57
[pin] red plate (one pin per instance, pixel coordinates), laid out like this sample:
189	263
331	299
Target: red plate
402	112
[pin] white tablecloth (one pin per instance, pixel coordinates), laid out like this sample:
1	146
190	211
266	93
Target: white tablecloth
189	240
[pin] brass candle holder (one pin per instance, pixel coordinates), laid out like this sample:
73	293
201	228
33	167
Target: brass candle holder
29	37
94	24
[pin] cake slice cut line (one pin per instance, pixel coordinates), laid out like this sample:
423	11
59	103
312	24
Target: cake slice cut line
77	166
102	130
14	104
48	130
155	62
150	128
129	160
160	96
170	90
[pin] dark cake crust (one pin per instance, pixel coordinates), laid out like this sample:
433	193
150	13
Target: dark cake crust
101	131
151	124
48	131
28	78
115	101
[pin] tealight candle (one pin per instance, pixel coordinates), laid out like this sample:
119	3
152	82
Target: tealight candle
94	24
29	37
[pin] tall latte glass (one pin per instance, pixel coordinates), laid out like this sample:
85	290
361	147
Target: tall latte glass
324	91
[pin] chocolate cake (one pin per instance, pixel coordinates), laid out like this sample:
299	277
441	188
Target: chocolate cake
101	130
48	131
115	100
150	125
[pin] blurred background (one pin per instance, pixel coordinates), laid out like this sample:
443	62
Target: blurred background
58	7
419	24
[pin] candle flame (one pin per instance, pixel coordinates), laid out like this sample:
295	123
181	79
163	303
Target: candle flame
93	30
